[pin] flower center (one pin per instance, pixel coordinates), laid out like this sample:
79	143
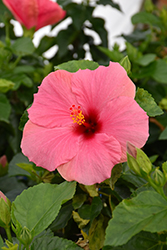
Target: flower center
89	124
76	115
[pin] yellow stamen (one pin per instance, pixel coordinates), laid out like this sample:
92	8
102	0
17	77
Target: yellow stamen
76	115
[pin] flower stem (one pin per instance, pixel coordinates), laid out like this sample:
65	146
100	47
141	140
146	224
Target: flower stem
19	245
8	233
7	39
158	189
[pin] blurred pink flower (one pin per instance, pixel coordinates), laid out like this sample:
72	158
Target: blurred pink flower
3	196
35	13
3	161
80	123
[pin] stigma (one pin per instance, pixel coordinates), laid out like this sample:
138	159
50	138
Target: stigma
76	115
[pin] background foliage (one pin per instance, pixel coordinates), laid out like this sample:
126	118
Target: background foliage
124	212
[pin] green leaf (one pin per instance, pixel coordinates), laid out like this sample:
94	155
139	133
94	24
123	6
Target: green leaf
75	65
1	242
23	46
163	135
146	59
130	177
80	221
11	186
146	18
63	3
143	241
96	207
5	108
147	212
62	218
5	85
78	200
115	174
146	102
159	72
97	233
46	200
91	189
133	53
14	169
125	63
53	243
23	119
114	55
109	2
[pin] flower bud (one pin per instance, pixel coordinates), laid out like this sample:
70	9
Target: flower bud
138	161
5	206
3	165
159	177
25	236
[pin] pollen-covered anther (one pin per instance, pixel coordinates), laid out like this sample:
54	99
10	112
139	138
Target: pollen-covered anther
76	115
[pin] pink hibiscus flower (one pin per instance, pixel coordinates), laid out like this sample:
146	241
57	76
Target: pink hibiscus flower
80	123
35	13
3	196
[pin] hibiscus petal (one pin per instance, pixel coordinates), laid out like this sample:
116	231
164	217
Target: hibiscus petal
49	13
96	88
25	11
48	148
53	100
126	121
95	159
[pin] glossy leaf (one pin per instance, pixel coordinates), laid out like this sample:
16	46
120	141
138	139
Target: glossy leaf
73	66
1	242
97	234
146	18
146	59
91	189
5	108
62	218
147	211
146	102
5	85
78	200
38	206
49	242
14	169
23	46
143	241
114	55
80	221
109	2
159	72
96	208
163	135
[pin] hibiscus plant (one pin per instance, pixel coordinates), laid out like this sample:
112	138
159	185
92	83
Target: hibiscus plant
83	143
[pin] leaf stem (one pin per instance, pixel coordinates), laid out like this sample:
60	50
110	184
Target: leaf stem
8	232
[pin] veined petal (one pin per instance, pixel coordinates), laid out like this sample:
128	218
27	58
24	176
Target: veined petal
53	100
126	121
96	88
49	148
94	160
25	11
49	13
